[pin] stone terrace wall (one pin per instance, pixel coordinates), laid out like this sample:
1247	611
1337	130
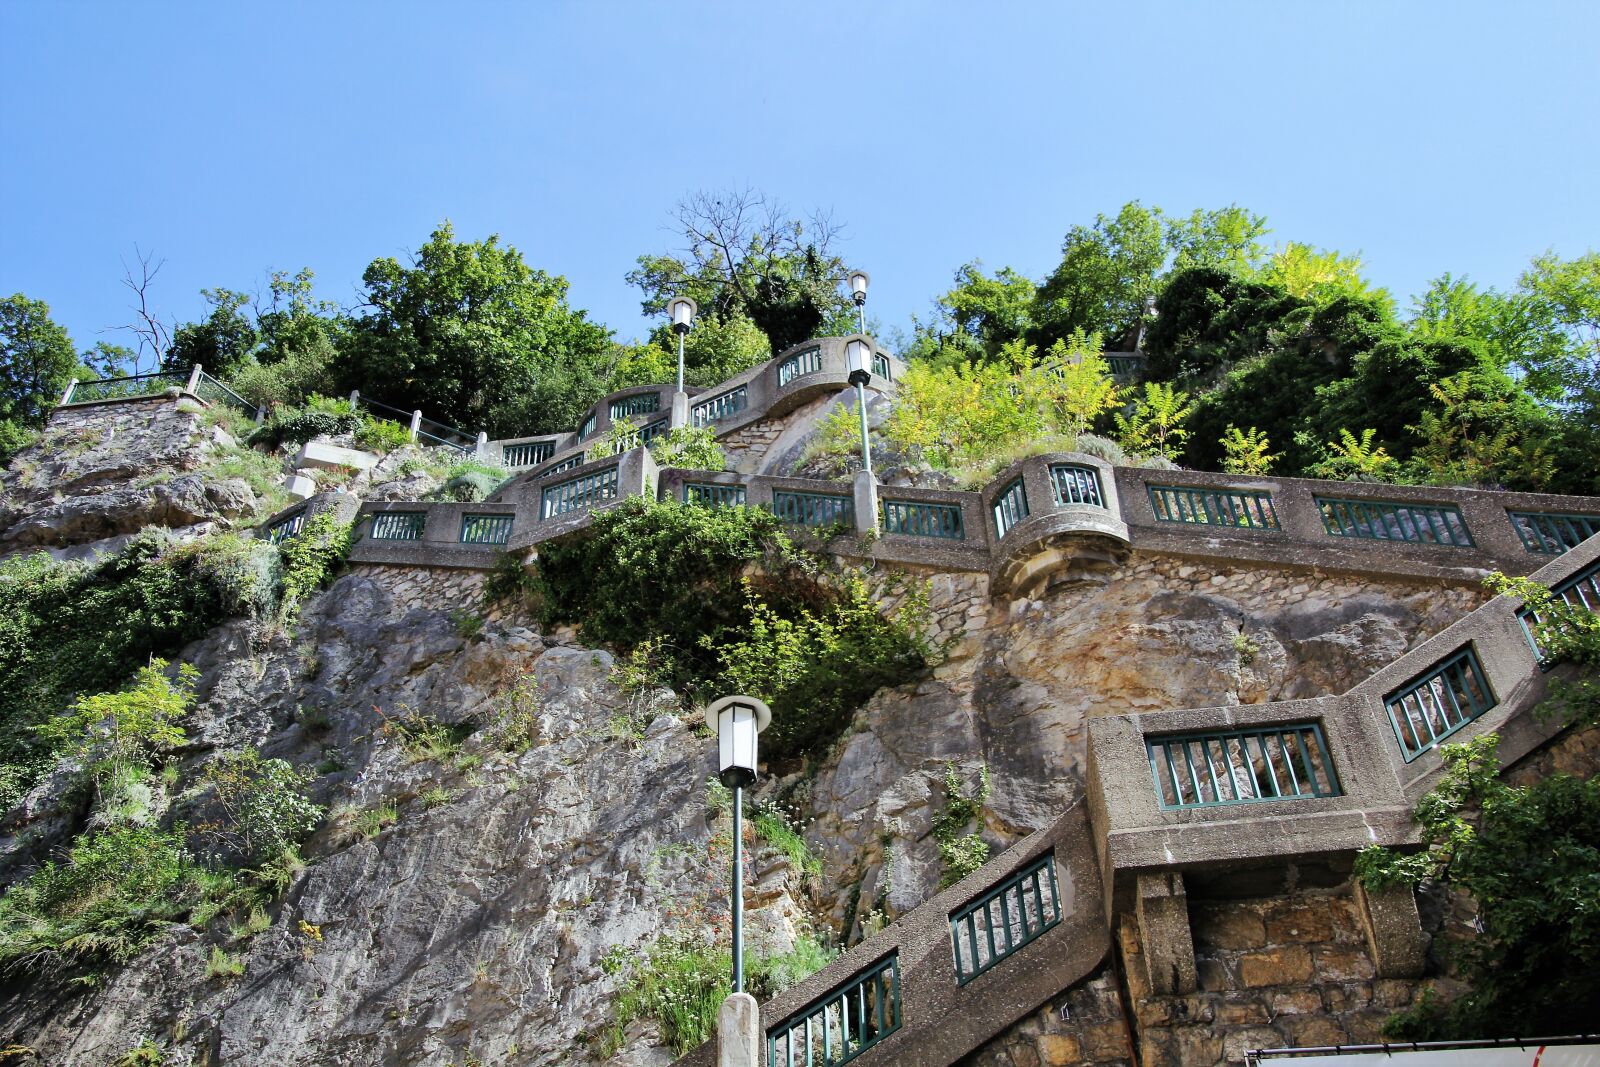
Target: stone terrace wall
436	589
1275	972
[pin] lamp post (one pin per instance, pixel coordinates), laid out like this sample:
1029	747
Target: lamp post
682	311
737	720
859	280
858	358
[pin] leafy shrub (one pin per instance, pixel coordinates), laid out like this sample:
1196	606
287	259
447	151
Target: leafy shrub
736	607
471	480
382	435
223	964
112	732
68	629
264	809
961	853
14	437
311	558
1526	855
692	448
116	890
321	416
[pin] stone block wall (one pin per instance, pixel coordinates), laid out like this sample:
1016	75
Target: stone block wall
1084	1025
436	589
1291	970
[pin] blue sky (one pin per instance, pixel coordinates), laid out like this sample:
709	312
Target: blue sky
235	138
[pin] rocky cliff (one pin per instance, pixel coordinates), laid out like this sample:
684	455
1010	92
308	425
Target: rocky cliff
462	898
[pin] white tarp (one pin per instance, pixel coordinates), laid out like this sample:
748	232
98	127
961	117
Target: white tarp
1527	1056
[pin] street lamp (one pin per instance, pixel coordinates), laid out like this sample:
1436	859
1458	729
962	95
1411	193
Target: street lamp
681	310
737	720
858	292
858	358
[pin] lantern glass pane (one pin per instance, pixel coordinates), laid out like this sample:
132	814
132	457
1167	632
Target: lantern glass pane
856	356
858	282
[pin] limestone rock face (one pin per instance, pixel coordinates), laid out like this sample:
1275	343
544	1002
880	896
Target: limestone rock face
475	925
102	472
1024	677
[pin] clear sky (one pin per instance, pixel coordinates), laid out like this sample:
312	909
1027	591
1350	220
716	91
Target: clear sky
234	138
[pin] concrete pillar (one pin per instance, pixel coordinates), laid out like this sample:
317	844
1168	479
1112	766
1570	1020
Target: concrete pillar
866	501
482	449
194	378
1394	930
680	410
739	1032
355	397
416	423
1162	911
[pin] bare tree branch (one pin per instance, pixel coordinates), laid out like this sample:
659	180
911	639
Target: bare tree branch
154	336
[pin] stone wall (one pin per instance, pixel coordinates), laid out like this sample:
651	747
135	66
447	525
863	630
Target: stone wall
760	448
449	589
1084	1025
1290	970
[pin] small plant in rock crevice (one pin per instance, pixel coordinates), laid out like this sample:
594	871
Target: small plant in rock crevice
960	852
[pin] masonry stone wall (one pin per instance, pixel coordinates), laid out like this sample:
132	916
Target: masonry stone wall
437	589
1290	970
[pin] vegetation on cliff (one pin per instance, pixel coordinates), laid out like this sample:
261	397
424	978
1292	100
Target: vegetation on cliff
727	602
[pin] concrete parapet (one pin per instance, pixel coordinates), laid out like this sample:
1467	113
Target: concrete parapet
739	1032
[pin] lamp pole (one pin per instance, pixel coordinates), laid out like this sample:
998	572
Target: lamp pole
859	280
858	357
737	721
682	312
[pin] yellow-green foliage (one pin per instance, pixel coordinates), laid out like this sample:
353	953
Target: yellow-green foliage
1246	451
1353	459
129	728
961	415
1154	425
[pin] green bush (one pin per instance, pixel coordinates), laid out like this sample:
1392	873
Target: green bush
311	558
320	416
471	480
262	802
735	606
382	435
69	629
115	891
112	732
690	448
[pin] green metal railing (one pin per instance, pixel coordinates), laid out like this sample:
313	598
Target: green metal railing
1074	484
799	365
916	518
844	1023
1212	769
398	525
588	426
527	453
1379	520
286	528
713	495
641	404
1122	365
126	387
659	428
578	494
1005	918
1010	507
1432	706
1548	533
1582	590
213	391
1213	507
881	367
485	529
577	459
813	509
719	407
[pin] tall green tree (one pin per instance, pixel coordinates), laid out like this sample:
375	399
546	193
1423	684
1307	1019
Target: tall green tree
223	343
472	335
1106	278
36	361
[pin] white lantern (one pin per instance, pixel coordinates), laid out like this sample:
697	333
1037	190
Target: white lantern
737	720
858	285
682	311
858	358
